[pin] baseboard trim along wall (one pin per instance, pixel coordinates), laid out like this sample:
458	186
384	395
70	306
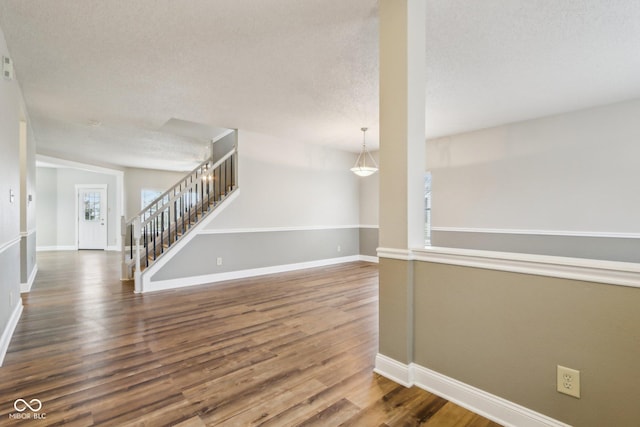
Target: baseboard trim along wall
5	338
368	258
591	270
486	404
26	287
55	248
160	285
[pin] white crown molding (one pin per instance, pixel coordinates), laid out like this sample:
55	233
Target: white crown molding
152	286
564	233
10	243
5	338
490	406
26	287
610	272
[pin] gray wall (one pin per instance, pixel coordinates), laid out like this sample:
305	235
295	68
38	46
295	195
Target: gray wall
243	251
368	238
11	112
289	184
544	179
566	186
27	207
505	333
56	209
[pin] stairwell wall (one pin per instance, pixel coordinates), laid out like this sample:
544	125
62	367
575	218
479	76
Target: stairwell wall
298	204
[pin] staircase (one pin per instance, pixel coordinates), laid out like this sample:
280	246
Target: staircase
165	221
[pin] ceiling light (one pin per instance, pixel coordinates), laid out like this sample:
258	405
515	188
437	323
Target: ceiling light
365	165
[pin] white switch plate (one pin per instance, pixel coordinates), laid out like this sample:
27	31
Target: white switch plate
568	381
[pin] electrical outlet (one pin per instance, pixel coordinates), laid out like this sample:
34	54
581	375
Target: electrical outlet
219	260
339	248
568	381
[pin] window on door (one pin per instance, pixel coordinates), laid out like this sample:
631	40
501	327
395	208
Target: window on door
92	206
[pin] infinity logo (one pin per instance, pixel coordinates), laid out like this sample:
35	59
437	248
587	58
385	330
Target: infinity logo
21	405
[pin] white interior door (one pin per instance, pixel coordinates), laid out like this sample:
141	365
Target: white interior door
92	218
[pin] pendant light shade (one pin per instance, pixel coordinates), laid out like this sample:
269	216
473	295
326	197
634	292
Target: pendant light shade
365	164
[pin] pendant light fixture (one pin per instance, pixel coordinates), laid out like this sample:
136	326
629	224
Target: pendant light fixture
365	165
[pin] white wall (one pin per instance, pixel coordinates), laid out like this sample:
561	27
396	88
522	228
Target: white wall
572	172
288	184
135	180
369	197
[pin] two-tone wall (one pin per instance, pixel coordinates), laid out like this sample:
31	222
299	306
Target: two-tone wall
534	265
17	219
297	205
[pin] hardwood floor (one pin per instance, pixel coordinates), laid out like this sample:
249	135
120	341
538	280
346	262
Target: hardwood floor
290	349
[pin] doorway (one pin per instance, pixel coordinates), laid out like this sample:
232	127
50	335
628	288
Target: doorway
91	216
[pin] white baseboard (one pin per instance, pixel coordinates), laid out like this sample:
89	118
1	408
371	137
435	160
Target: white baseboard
368	258
495	408
113	248
396	371
26	287
55	248
5	338
152	286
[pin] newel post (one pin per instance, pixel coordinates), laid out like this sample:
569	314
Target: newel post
137	233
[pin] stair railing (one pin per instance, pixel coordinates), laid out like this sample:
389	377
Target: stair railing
162	223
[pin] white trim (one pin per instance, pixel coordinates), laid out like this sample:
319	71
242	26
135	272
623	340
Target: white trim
27	233
26	287
10	243
152	286
396	371
369	226
566	233
610	272
145	276
393	253
5	338
277	229
113	248
55	248
488	405
368	258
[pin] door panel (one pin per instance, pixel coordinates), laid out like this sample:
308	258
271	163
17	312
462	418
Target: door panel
92	218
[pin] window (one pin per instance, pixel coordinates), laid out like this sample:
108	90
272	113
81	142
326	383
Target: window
427	209
92	206
148	196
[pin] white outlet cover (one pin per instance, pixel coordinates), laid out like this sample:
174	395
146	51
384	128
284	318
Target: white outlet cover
568	381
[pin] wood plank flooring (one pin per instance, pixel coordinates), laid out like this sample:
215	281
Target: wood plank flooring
283	350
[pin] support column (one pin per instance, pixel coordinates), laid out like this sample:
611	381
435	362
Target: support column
402	168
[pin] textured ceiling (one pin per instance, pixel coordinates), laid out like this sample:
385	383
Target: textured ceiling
122	79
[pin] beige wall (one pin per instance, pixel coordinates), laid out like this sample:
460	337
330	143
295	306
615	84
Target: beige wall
505	333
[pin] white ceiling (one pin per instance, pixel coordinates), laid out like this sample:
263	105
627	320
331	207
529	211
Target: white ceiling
122	79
